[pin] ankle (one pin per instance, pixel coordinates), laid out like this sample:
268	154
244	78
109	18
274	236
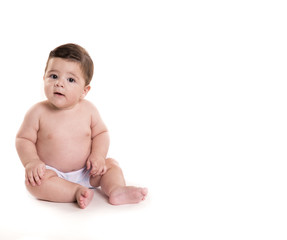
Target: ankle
110	190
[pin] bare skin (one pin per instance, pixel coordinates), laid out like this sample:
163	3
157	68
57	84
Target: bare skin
84	197
66	132
127	195
112	183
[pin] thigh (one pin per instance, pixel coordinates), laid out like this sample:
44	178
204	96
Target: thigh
95	181
49	173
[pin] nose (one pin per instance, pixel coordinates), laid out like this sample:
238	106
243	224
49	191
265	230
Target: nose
59	83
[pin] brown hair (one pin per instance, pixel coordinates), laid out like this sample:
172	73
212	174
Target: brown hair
75	53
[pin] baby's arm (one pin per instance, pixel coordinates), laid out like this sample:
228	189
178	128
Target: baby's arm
26	148
100	145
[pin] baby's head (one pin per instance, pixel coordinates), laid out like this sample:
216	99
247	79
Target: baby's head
76	53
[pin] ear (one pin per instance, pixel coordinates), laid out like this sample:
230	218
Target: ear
85	91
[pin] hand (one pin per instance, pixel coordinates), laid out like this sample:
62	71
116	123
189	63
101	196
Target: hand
35	171
96	165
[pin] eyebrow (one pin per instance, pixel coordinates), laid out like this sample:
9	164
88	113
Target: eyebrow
52	70
73	74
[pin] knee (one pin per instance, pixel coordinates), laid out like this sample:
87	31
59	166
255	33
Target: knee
110	162
48	174
35	190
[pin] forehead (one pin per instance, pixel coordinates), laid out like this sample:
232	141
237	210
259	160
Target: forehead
64	66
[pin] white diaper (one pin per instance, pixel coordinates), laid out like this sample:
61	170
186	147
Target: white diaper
81	176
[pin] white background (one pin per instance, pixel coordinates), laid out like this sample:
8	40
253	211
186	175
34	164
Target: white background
194	95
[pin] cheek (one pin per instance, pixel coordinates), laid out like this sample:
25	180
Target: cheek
73	95
47	88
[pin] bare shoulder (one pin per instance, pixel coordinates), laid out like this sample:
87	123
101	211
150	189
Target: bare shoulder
31	121
35	113
89	106
96	120
37	109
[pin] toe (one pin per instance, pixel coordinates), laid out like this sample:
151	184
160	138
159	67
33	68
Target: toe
144	191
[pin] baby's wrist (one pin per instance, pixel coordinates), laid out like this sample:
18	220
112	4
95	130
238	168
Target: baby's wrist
33	161
97	157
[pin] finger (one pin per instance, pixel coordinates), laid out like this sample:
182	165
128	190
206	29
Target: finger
27	181
37	180
100	171
91	171
40	172
104	170
94	169
95	173
88	164
36	177
43	171
31	179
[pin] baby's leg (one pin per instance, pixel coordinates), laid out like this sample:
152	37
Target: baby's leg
114	186
56	189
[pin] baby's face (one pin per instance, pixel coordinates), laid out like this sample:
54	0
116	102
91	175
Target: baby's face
64	83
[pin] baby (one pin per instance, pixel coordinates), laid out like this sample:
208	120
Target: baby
63	142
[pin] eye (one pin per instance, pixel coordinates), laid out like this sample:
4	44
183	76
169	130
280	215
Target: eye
53	76
71	80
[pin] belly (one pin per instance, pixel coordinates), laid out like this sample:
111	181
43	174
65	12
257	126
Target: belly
66	155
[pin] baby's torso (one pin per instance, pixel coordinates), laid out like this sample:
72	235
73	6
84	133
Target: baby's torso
64	139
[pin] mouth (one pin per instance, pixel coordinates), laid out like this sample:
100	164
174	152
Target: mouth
58	94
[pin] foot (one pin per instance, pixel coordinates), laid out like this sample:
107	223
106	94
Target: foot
84	197
127	195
